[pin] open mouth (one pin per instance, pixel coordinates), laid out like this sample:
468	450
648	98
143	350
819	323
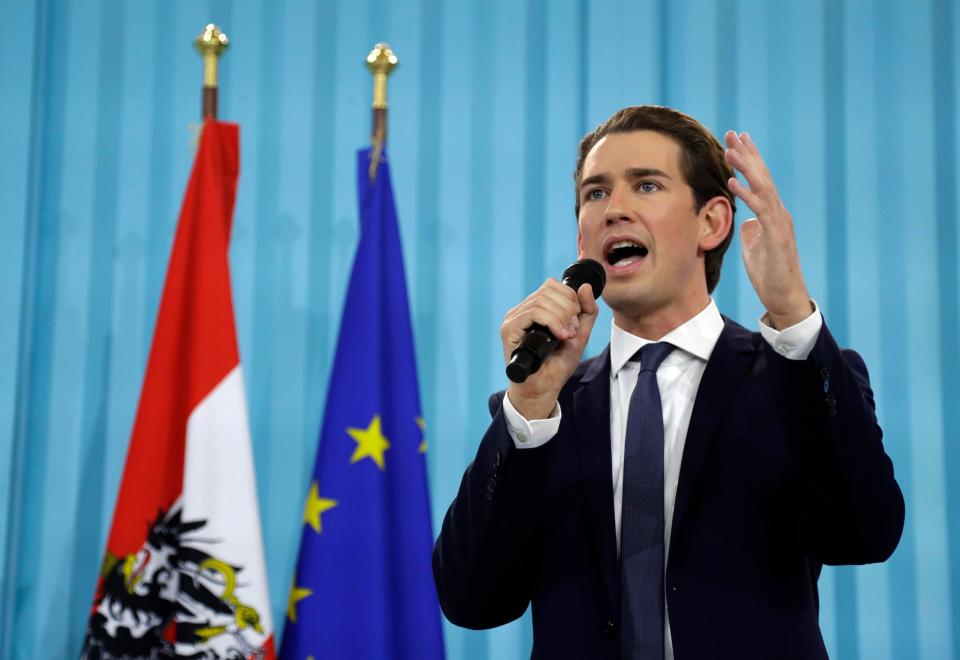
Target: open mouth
624	253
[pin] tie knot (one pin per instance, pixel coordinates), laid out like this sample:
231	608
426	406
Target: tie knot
652	355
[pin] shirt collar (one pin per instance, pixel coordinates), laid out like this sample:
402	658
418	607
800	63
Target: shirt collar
696	336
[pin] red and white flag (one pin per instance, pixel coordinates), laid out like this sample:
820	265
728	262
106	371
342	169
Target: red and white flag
183	573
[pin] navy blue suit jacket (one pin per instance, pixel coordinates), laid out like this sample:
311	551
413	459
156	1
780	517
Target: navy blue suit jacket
783	471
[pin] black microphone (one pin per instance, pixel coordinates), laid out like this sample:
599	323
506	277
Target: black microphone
539	342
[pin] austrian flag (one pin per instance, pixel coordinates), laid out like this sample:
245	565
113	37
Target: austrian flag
183	573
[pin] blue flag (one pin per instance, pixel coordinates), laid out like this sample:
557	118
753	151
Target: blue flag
363	586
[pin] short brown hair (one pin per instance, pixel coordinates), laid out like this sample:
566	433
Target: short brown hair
701	162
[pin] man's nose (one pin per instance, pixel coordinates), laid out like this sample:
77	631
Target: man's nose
617	207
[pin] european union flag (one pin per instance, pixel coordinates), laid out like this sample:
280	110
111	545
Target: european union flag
363	586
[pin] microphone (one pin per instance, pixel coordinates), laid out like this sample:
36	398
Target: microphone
539	342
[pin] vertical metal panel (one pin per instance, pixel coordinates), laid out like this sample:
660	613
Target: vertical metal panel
753	114
562	107
452	439
423	274
925	401
32	436
862	260
728	93
23	88
895	350
945	18
95	348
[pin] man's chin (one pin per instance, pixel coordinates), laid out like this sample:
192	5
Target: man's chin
631	301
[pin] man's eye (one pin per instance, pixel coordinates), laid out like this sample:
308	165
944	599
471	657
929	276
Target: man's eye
648	186
596	193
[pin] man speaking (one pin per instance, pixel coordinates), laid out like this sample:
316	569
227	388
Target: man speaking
677	495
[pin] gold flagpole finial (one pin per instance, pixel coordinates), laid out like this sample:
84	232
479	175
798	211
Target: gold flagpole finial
381	61
210	44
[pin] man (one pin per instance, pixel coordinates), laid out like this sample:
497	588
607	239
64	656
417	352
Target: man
677	495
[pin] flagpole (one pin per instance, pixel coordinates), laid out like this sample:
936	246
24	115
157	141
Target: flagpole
366	521
381	61
210	44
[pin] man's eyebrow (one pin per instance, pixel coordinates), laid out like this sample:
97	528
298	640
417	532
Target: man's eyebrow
640	172
632	173
596	178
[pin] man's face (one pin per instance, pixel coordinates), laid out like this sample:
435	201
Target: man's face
637	218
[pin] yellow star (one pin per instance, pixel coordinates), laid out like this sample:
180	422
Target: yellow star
315	506
371	442
296	595
423	442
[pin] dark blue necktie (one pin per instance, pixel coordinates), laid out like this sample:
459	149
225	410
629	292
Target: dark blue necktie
641	520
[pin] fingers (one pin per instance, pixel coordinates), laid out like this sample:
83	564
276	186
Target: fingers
742	145
588	313
745	158
742	142
759	194
553	305
588	305
748	196
751	147
561	295
562	327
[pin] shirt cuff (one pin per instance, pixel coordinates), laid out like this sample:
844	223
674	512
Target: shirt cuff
530	434
795	342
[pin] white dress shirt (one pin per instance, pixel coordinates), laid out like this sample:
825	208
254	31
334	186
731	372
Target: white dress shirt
678	379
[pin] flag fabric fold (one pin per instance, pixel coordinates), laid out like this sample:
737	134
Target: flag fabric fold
184	573
363	586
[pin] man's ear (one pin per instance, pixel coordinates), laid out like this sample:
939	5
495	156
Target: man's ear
716	222
579	242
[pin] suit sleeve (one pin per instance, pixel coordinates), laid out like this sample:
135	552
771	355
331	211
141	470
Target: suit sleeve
482	557
848	506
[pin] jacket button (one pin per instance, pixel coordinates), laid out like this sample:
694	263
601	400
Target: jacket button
831	402
609	629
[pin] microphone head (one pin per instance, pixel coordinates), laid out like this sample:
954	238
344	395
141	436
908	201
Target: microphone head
586	271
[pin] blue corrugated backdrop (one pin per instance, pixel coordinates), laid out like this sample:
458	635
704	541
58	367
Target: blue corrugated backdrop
854	103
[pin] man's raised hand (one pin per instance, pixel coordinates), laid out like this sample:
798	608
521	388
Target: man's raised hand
769	244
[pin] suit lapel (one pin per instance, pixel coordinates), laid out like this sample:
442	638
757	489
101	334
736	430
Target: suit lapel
731	357
591	407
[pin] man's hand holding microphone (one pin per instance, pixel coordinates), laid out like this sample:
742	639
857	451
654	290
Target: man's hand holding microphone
545	335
